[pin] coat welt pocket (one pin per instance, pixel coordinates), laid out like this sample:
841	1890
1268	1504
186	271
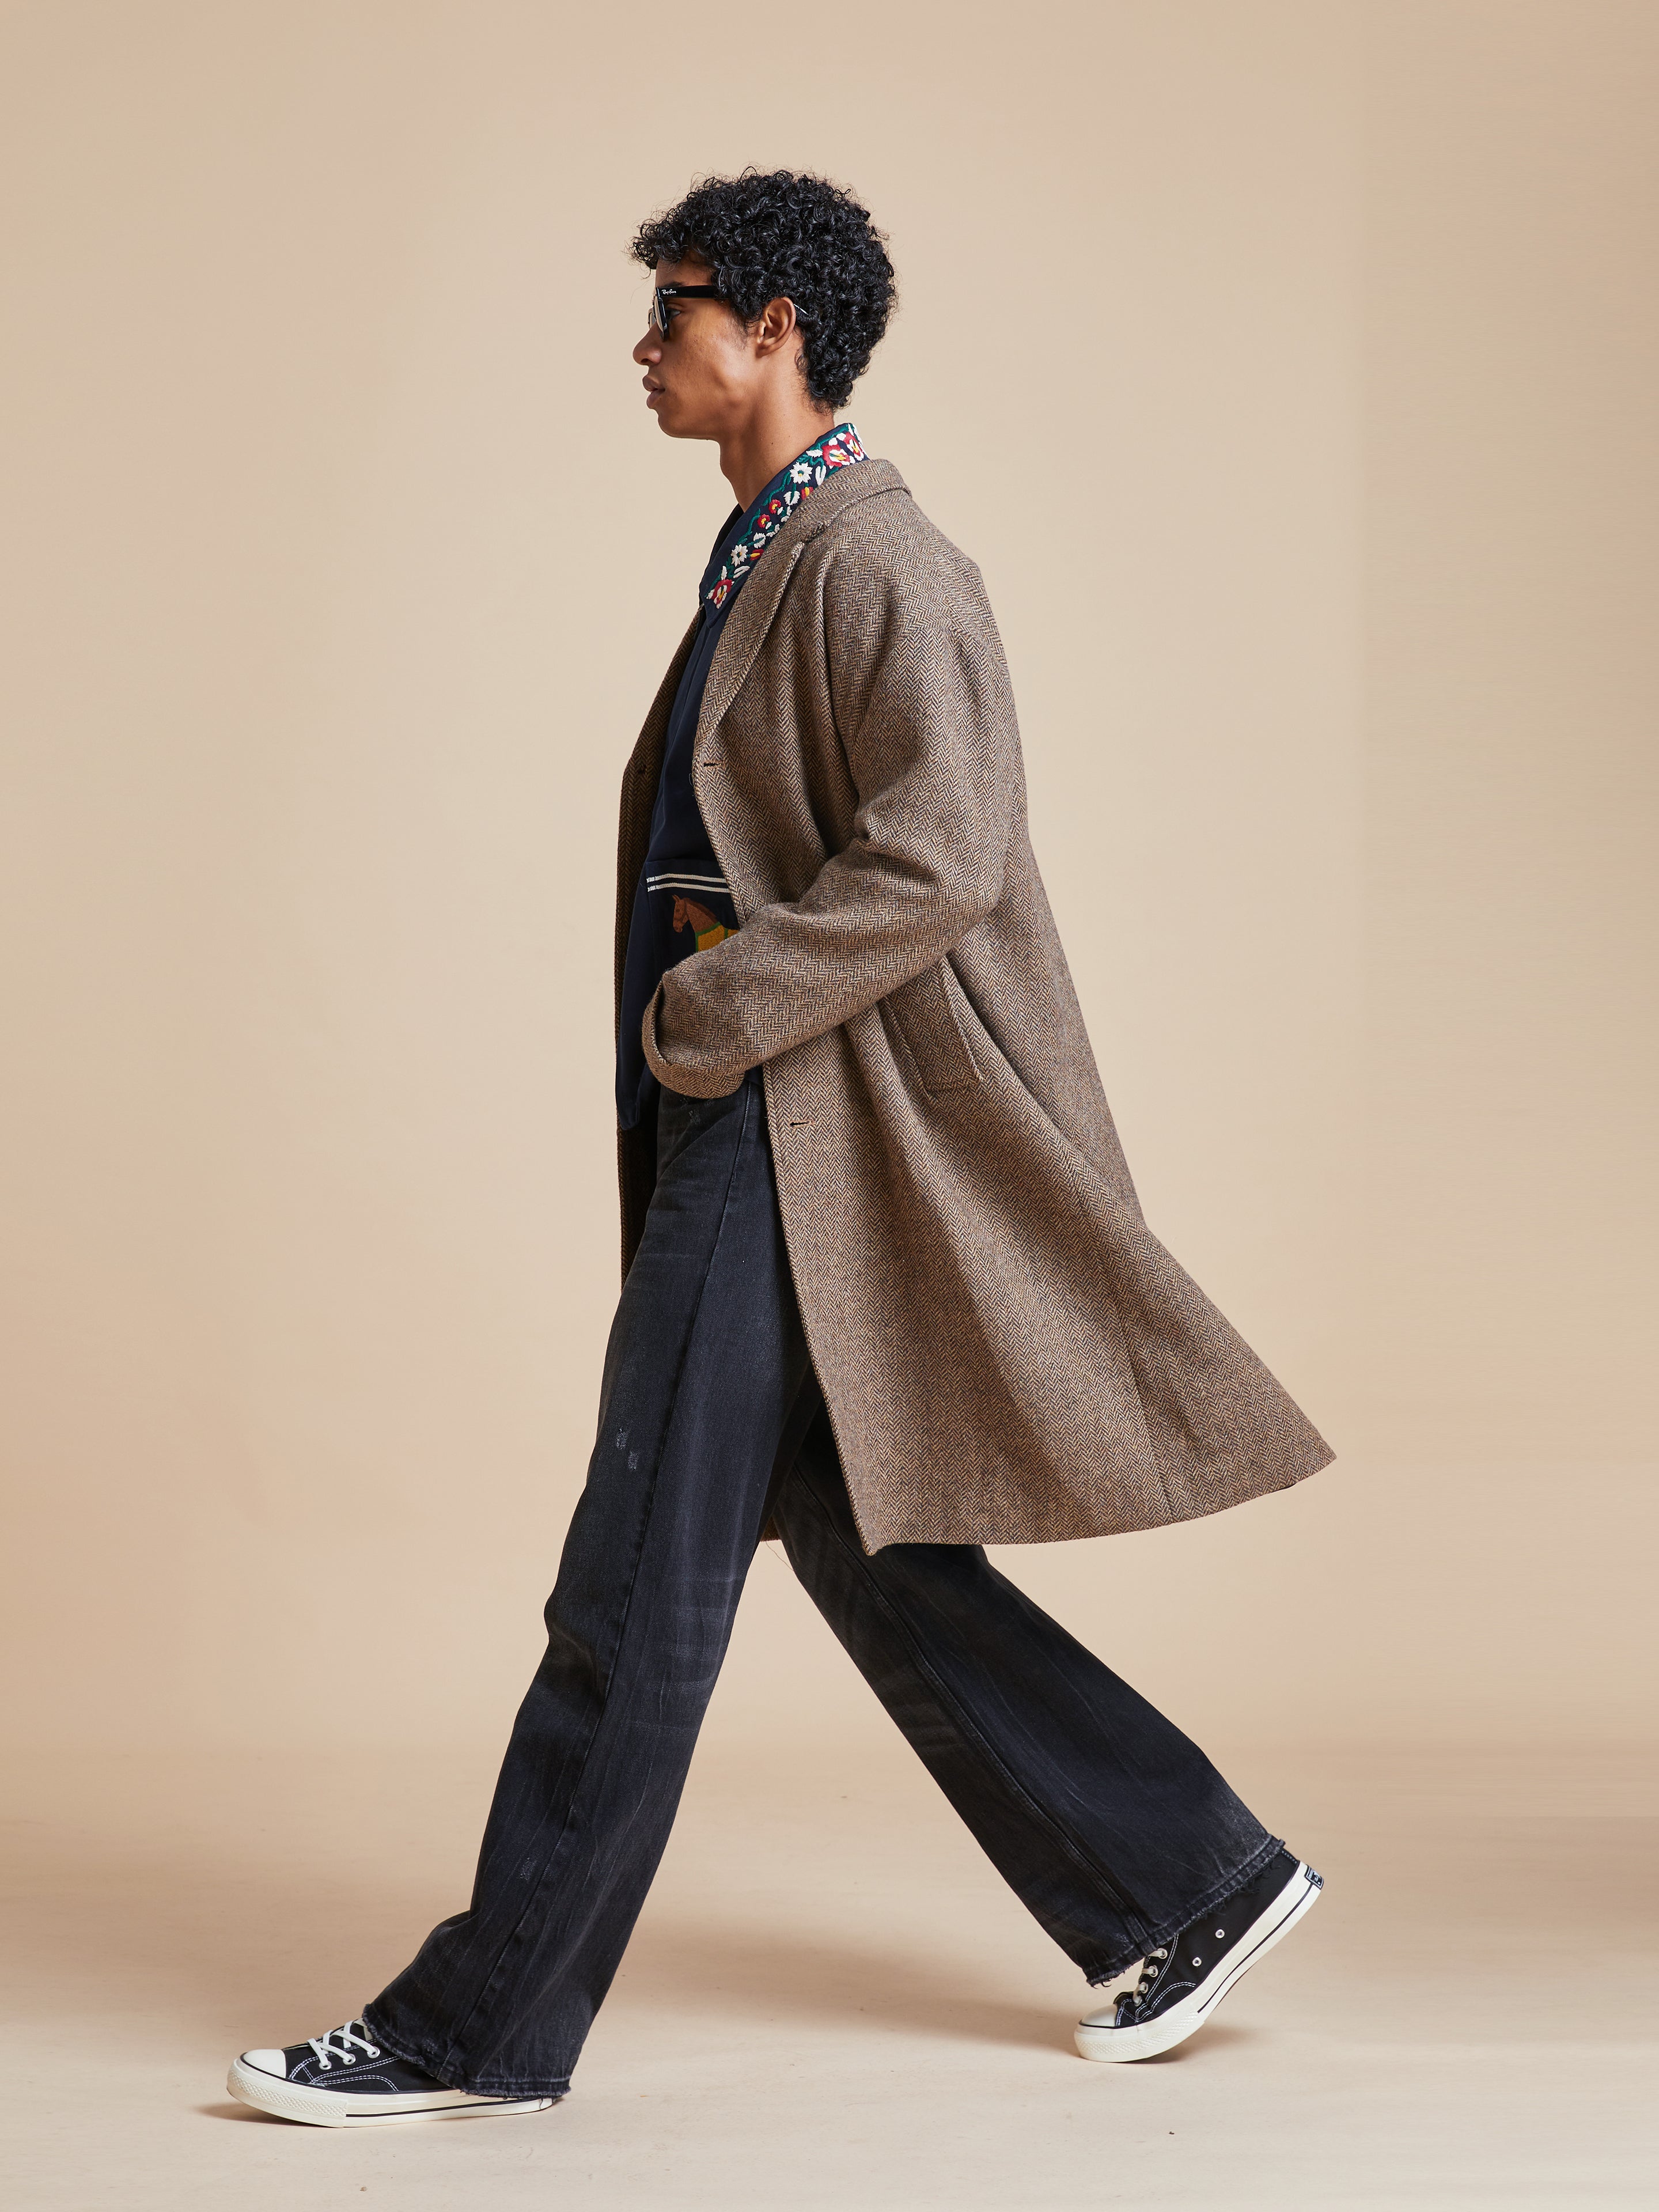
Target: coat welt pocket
924	1016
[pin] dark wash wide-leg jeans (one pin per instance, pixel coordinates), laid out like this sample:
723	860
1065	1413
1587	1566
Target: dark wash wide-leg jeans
1112	1827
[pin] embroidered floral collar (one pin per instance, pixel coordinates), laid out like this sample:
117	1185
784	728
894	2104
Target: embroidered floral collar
764	520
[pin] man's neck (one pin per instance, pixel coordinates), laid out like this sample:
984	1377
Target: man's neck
751	456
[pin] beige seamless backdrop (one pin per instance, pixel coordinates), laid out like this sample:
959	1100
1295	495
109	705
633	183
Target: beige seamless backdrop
340	562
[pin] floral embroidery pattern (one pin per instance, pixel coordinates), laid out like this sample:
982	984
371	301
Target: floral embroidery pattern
800	479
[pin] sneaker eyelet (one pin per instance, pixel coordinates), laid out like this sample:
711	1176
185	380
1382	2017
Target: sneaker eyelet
1220	1934
1198	1962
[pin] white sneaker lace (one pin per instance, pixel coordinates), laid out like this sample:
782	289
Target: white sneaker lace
337	2044
1149	1972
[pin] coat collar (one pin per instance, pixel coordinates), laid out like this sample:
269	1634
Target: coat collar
794	485
758	601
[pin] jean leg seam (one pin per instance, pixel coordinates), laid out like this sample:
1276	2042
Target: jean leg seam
1119	1899
531	1902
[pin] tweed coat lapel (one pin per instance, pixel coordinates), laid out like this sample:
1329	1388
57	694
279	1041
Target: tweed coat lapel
740	641
761	595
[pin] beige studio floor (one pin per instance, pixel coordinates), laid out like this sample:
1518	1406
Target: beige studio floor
832	2001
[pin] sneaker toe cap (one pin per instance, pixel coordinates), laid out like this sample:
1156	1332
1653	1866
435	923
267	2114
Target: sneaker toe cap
274	2062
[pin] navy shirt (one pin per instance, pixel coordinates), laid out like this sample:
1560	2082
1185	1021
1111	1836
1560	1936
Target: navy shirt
681	904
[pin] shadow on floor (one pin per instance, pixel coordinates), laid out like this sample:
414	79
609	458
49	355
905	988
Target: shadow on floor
705	1968
256	1952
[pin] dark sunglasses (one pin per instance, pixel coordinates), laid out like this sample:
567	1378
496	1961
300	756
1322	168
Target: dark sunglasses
661	293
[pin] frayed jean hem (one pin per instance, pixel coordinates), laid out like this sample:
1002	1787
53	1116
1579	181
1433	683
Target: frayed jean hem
455	2077
1217	1894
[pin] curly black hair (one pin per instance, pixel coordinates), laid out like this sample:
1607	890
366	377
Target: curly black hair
779	235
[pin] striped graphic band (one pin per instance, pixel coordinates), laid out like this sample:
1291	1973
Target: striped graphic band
685	883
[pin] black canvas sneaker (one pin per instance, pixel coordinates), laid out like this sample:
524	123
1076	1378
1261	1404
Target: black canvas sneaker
1182	1983
344	2079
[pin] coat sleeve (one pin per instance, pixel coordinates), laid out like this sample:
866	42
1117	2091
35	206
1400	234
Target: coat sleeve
925	711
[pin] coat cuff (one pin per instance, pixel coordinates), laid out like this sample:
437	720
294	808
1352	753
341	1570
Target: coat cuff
657	1036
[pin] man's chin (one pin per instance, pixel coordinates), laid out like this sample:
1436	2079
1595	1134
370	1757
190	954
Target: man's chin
672	424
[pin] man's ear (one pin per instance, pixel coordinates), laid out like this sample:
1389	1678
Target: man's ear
777	325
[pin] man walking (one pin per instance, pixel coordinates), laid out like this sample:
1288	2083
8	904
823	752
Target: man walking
887	1293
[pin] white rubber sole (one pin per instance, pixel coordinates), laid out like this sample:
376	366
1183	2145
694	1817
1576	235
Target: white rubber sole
335	2108
1098	2039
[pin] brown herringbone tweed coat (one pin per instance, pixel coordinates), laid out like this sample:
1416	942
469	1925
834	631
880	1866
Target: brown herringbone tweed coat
1008	1354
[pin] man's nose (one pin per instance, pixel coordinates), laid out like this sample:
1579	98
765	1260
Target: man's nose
649	348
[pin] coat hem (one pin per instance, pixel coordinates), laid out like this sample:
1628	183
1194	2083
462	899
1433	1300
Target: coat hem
986	1531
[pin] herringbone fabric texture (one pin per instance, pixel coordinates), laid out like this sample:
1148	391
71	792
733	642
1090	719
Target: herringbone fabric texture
1007	1352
